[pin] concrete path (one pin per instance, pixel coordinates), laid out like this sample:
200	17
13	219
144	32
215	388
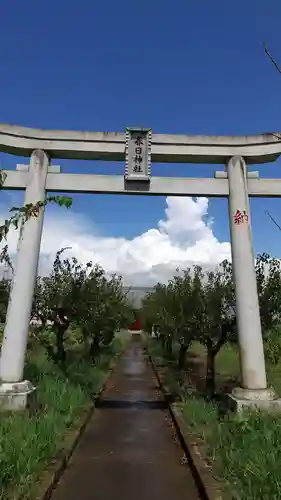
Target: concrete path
129	450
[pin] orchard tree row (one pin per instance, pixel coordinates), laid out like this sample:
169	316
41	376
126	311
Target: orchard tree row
199	305
77	301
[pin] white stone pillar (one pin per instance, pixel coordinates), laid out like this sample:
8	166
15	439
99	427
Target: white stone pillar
20	303
247	304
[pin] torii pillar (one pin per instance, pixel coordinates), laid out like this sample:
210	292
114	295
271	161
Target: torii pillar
253	391
14	390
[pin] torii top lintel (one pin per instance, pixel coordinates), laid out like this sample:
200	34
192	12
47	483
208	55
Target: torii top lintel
172	148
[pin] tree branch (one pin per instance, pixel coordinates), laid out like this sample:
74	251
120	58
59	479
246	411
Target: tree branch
271	58
273	220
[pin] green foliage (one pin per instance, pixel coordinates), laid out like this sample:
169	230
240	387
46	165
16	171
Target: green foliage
246	452
269	285
268	273
218	316
83	296
103	308
4	299
194	306
85	308
200	414
87	311
28	441
198	306
272	345
21	214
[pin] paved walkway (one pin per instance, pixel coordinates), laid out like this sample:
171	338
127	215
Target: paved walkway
128	451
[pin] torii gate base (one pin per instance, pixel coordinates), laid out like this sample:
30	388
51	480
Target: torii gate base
236	184
19	396
243	399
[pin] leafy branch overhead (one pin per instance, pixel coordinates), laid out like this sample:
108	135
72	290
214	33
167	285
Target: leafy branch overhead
21	214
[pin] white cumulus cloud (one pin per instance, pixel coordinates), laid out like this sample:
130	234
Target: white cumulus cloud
184	237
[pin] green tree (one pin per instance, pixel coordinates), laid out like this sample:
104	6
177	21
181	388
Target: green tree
268	274
57	299
195	306
173	309
218	316
158	312
187	289
269	287
79	296
103	309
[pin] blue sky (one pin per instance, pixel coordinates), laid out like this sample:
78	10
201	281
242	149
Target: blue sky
177	66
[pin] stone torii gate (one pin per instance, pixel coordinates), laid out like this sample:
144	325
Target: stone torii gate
138	148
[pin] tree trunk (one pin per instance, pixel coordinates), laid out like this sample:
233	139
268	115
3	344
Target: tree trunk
61	324
169	346
182	356
60	354
210	374
94	347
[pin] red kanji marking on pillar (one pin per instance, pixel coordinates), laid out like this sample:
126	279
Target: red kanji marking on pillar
240	217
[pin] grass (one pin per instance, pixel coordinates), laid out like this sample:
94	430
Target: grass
30	440
245	452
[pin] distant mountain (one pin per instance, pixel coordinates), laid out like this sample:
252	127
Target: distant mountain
137	293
